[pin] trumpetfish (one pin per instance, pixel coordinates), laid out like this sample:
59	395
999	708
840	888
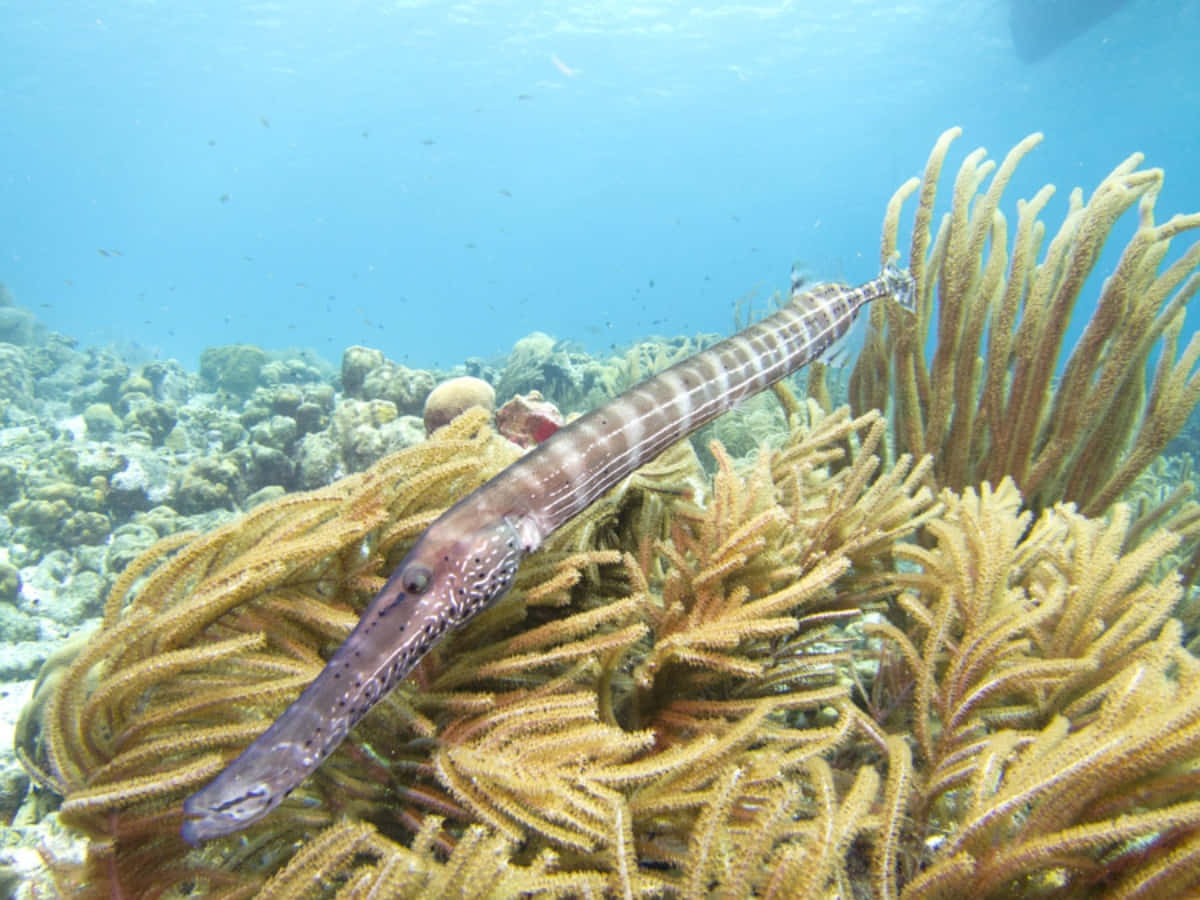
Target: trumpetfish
468	557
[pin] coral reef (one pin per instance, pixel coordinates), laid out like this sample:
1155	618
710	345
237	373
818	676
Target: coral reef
16	380
820	664
17	324
406	389
576	381
537	362
631	701
676	699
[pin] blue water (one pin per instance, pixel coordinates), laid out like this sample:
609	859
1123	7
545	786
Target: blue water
438	179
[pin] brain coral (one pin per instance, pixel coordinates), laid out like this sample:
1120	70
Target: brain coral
452	398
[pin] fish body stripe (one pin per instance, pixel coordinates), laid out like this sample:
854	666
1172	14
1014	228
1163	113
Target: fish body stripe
468	557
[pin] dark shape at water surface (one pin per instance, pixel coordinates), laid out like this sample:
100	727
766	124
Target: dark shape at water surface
1039	27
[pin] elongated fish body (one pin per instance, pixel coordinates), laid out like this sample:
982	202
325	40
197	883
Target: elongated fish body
468	557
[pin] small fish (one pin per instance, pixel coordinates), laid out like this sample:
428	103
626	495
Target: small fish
505	192
102	251
264	121
225	198
429	142
524	96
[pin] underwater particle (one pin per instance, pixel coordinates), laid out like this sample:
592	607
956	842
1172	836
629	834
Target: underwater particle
528	419
452	398
569	71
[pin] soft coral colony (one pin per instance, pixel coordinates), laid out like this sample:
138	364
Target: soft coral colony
943	652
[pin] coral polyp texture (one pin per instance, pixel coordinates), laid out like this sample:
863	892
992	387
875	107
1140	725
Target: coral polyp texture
914	656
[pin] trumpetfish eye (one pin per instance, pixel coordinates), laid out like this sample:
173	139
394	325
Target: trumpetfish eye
416	579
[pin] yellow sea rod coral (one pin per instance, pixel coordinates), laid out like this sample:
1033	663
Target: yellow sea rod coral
667	709
1055	714
991	401
619	724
